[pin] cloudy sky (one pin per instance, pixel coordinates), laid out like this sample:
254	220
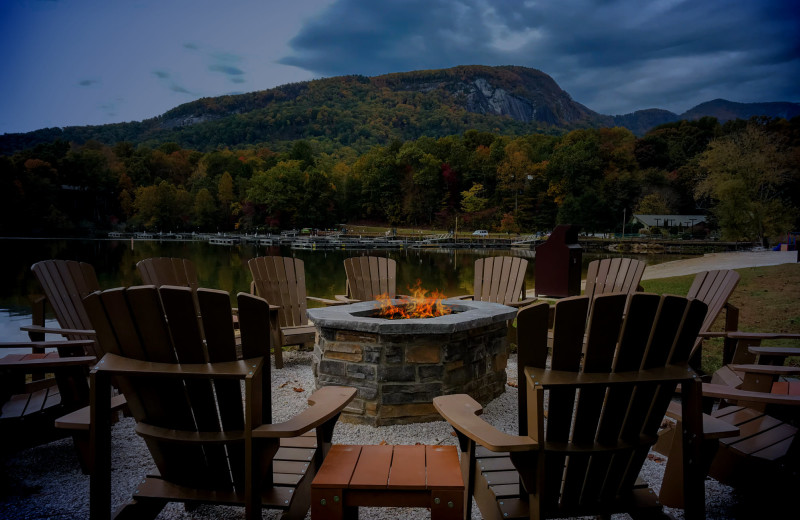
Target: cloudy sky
79	62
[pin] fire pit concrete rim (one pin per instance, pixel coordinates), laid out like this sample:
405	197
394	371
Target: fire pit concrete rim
472	314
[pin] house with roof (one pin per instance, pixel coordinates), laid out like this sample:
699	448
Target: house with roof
668	221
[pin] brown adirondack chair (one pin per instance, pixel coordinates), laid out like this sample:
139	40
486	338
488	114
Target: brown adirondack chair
65	284
159	271
583	458
179	272
715	288
29	407
611	275
755	445
282	282
186	396
369	277
500	279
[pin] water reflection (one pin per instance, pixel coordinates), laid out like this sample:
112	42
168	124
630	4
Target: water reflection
225	267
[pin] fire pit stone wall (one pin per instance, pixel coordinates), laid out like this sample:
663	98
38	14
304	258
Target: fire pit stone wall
399	366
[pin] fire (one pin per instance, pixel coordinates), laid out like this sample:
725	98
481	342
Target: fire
418	305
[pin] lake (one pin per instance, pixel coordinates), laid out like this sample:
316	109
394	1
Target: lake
225	267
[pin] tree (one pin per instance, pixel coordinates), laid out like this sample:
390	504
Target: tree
225	196
205	210
277	190
472	199
747	173
653	204
513	172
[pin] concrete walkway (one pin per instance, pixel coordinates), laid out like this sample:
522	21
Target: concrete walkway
734	260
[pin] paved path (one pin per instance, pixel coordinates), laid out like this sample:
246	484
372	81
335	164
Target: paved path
735	260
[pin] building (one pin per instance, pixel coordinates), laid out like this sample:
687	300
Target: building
668	221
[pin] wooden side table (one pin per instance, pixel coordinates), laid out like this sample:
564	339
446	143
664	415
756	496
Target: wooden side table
388	476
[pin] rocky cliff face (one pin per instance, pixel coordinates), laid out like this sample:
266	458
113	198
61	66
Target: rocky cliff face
482	98
523	94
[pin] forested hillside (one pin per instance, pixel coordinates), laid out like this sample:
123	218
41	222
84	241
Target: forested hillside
744	174
360	112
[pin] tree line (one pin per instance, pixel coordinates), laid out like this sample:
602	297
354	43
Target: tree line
744	175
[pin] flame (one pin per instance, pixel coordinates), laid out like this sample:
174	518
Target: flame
418	305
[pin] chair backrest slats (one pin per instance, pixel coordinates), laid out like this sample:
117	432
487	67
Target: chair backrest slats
281	281
611	275
370	276
499	279
624	333
159	271
65	284
161	325
714	288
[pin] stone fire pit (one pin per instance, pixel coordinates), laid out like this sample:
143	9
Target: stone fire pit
399	366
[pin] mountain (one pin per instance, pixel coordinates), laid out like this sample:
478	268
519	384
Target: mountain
641	121
360	112
725	110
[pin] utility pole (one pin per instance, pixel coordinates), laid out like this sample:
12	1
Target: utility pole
623	222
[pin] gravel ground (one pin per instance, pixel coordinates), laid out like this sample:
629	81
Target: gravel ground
47	483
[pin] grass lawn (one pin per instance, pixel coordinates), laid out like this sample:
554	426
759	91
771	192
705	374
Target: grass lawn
768	299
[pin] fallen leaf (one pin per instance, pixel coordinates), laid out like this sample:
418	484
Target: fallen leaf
284	384
453	434
512	384
382	443
298	389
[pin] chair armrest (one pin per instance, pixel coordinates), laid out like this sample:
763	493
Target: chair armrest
327	402
713	428
727	392
522	303
46	330
778	370
243	369
462	297
326	301
462	411
47	344
775	351
80	419
12	363
344	298
762	335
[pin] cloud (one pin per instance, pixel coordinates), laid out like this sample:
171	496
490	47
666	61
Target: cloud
614	56
111	107
88	82
226	69
191	46
178	88
161	74
227	64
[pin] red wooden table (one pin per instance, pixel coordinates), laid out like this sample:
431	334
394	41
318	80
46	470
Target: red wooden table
388	476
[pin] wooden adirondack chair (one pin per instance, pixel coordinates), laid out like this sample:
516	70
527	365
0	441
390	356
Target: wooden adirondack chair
282	282
583	458
715	288
179	272
368	277
159	271
186	397
29	407
500	279
755	445
65	284
611	275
